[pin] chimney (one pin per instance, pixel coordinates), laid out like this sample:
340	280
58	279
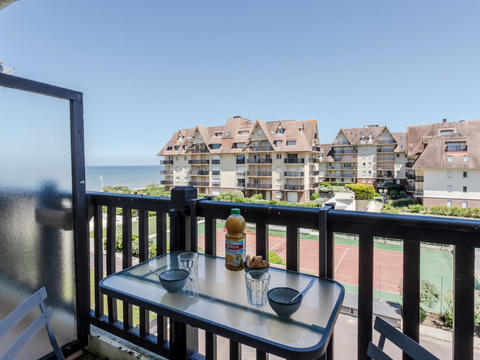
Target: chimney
444	120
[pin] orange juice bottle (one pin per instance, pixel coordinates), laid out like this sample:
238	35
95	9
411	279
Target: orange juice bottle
235	241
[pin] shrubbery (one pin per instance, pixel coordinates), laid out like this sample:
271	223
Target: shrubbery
412	206
362	191
317	203
405	202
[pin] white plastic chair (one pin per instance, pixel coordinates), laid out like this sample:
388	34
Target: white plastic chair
21	312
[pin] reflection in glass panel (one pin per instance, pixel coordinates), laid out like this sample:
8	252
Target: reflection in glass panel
36	238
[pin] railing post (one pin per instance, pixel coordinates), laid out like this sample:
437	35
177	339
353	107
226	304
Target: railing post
183	338
325	259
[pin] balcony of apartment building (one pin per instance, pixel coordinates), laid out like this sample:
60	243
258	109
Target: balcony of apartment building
259	185
314	172
166	162
259	146
385	149
216	172
241	183
385	158
293	159
346	150
75	233
240	159
295	187
293	174
384	174
385	166
198	149
200	161
199	172
166	172
256	159
252	172
313	160
456	146
198	183
166	182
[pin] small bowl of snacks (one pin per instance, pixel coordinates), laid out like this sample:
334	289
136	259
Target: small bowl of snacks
173	280
255	263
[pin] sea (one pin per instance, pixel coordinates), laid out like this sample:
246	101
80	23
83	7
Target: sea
135	177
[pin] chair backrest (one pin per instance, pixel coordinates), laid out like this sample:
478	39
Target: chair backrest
408	346
21	312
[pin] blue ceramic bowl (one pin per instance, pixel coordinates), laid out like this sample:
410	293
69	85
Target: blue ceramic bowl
279	299
173	280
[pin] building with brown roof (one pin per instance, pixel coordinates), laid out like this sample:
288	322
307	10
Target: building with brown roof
278	159
443	166
370	155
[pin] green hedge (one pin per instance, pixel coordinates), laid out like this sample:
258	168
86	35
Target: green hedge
412	206
362	191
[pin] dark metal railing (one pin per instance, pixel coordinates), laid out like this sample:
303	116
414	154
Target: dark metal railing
166	172
216	161
293	187
418	178
456	148
293	174
166	182
259	148
198	183
259	161
199	162
259	186
294	160
166	162
215	172
181	212
199	172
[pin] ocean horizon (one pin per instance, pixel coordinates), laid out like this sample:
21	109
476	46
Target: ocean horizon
133	176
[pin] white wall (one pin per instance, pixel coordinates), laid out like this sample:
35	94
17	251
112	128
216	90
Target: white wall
436	182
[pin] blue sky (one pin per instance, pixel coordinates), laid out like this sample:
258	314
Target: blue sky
149	67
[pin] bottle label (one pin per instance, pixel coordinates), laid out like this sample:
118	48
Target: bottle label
234	252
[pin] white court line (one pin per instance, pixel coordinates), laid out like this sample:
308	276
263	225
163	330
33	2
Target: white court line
341	259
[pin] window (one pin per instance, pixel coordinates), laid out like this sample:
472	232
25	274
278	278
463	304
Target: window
229	133
291	143
449	159
189	137
243	132
218	134
449	188
465	158
362	138
279	156
321	156
449	174
449	203
464	204
369	172
259	132
446	132
215	146
465	174
185	158
238	145
278	143
364	164
279	195
169	148
177	147
176	158
369	181
401	146
281	130
464	189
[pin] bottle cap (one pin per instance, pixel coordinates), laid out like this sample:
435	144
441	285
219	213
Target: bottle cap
235	211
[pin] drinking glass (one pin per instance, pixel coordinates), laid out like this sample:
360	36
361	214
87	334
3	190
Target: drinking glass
257	287
189	261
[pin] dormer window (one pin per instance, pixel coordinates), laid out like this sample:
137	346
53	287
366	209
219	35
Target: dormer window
370	138
291	143
169	148
218	134
180	137
281	130
215	146
446	132
278	143
259	132
245	132
229	133
177	147
362	138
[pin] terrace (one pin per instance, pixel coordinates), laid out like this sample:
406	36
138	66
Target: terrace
50	214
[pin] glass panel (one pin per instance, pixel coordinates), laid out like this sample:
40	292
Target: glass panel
36	238
222	299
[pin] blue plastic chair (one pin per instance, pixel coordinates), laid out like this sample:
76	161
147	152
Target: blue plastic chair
28	334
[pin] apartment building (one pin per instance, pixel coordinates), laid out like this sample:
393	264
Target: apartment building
443	163
370	155
278	159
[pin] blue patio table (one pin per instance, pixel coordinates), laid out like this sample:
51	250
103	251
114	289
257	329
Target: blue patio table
220	305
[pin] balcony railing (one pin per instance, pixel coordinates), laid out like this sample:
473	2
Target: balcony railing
346	151
181	213
198	183
199	162
199	172
293	187
418	178
259	186
449	148
313	160
215	172
240	161
294	160
216	161
385	150
386	158
166	172
259	148
166	182
240	173
315	173
386	167
410	164
391	141
198	151
293	174
259	161
259	173
241	184
166	162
